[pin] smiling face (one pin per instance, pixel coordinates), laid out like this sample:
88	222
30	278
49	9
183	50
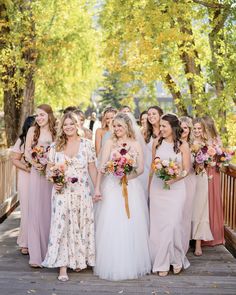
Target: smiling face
186	130
153	116
69	127
165	129
41	118
197	130
119	129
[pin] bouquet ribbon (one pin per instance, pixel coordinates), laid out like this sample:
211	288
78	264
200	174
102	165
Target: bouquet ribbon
124	183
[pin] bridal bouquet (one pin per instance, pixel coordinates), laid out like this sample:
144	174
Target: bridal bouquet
122	163
204	156
166	170
39	156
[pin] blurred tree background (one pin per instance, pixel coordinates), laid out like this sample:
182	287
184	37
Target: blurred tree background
61	52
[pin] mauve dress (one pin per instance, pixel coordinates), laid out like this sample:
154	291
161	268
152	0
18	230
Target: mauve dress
215	208
166	218
23	195
40	191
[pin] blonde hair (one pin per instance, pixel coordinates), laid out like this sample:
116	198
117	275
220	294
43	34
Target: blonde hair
204	128
189	123
106	111
125	120
61	139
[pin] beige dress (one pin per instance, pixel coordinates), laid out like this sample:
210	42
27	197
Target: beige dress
166	218
200	215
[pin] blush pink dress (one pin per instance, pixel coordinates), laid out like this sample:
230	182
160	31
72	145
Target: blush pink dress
23	194
40	190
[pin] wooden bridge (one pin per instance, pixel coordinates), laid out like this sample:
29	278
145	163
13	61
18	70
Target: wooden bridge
213	273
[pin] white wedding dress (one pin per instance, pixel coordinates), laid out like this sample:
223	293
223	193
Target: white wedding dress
122	250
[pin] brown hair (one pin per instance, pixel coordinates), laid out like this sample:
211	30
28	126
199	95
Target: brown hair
107	110
149	125
177	131
51	122
210	127
61	139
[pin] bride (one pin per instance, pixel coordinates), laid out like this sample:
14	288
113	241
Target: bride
121	223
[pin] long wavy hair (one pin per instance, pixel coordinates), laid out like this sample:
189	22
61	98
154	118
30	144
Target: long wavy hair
210	127
149	132
125	120
61	139
177	131
51	123
29	121
204	128
189	123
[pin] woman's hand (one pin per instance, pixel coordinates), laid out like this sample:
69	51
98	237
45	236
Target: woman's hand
58	187
171	181
39	167
97	196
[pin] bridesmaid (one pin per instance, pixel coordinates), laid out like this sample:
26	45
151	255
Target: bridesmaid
87	133
71	240
200	217
143	123
102	134
23	174
190	181
214	194
41	134
152	134
166	206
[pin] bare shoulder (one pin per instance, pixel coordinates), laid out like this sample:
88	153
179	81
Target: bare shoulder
184	147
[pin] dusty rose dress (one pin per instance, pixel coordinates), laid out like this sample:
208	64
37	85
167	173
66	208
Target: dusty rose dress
215	208
39	215
23	194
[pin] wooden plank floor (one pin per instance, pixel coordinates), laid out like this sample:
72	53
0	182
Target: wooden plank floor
213	273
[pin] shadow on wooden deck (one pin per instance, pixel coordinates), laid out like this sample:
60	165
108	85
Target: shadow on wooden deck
213	273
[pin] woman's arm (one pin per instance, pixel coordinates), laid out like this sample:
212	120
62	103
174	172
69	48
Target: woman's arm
16	160
92	172
28	144
154	145
106	150
98	141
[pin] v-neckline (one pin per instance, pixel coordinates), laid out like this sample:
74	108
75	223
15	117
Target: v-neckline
71	158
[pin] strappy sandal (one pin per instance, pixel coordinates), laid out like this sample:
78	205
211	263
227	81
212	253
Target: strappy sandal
24	251
177	270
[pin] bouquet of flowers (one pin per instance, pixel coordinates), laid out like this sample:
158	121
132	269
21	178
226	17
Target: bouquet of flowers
123	163
223	156
39	157
204	156
166	170
57	175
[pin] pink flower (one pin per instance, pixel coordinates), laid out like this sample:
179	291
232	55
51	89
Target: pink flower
211	151
165	163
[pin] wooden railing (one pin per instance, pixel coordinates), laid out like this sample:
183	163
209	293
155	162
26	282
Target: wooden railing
228	192
8	184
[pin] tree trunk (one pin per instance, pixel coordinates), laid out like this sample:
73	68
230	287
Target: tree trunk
177	96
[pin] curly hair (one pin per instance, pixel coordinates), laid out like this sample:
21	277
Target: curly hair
125	120
61	139
51	122
204	128
177	131
149	132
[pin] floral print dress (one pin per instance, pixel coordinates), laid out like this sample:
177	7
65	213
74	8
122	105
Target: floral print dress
71	240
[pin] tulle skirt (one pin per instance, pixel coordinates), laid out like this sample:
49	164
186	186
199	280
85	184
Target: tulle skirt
122	250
